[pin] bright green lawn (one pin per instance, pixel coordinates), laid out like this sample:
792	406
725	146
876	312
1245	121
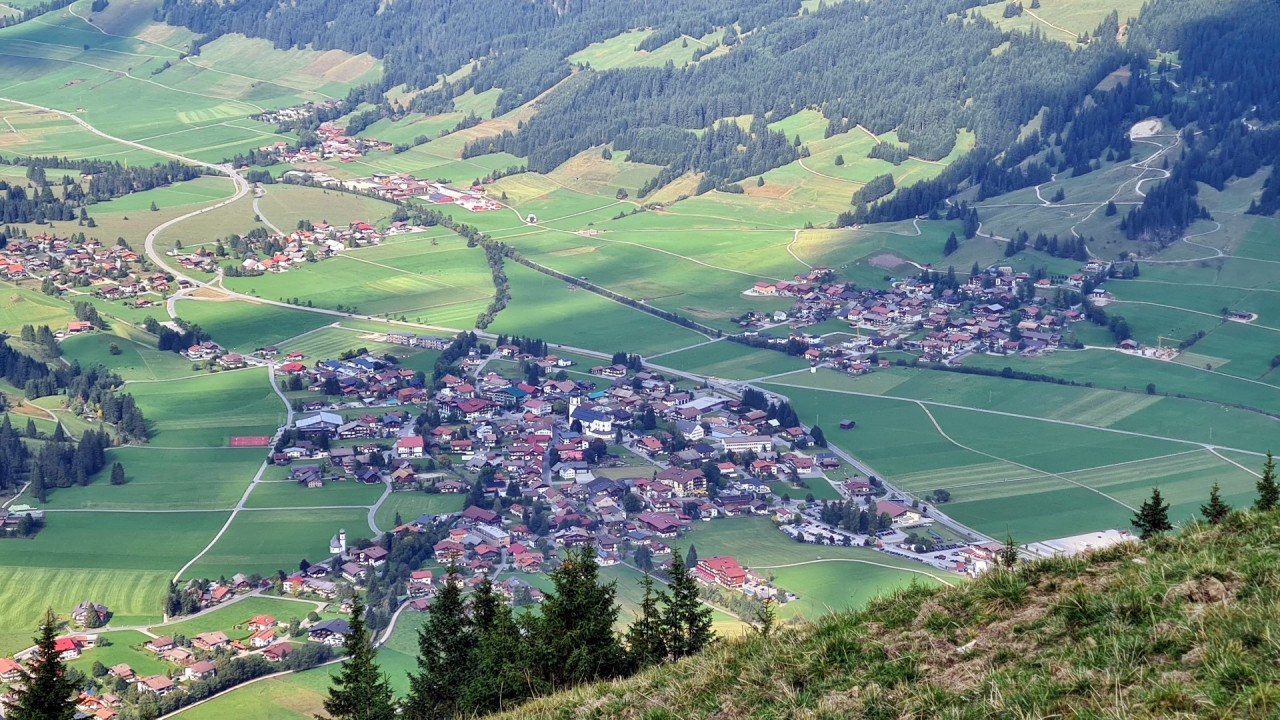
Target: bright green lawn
233	618
206	411
159	479
133	596
264	541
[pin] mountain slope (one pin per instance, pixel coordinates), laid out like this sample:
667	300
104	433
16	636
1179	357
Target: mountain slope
1184	626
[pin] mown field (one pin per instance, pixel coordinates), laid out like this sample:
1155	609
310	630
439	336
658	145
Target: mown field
160	479
264	541
423	277
205	411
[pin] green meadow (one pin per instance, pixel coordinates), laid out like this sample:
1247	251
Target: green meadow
270	540
205	411
160	479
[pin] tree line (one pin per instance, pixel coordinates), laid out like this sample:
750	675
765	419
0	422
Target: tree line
475	655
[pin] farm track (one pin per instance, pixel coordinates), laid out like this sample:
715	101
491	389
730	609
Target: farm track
853	560
948	438
1019	416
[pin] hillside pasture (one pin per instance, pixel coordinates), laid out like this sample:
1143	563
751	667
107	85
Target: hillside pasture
269	540
133	596
205	411
135	361
243	326
159	479
21	306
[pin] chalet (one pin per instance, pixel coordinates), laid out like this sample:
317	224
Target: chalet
262	638
411	446
160	644
67	648
122	671
156	685
353	573
11	671
277	652
419	584
901	515
261	622
661	524
88	614
373	556
199	670
330	632
210	640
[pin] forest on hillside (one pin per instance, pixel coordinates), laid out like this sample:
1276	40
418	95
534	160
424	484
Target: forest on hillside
921	67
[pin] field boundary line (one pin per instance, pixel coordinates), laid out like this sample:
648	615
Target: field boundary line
1233	462
944	434
1205	446
853	560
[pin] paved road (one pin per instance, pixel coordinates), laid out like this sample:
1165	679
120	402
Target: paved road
257	194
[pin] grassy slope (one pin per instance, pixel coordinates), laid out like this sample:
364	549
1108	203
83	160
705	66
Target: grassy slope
1175	628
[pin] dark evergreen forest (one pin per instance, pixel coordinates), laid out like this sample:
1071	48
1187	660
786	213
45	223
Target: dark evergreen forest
925	68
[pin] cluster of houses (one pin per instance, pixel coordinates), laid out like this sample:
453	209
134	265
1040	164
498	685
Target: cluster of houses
191	658
402	186
332	144
105	269
985	314
321	241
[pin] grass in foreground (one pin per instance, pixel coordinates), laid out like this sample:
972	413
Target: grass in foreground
1178	627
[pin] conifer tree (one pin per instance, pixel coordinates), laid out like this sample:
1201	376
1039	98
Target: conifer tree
47	693
686	621
445	645
1268	491
361	691
646	642
573	640
1153	517
1009	553
1215	511
500	677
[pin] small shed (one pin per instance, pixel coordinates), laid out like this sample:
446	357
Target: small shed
848	424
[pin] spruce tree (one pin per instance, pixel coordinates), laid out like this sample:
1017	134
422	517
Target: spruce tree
1215	511
1009	553
47	693
1153	517
500	678
361	691
646	643
1268	491
117	474
445	645
686	621
574	640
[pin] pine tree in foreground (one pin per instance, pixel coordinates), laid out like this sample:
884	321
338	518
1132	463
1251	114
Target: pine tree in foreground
686	621
1268	491
361	691
445	647
573	640
500	677
646	644
1215	511
1153	517
46	694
